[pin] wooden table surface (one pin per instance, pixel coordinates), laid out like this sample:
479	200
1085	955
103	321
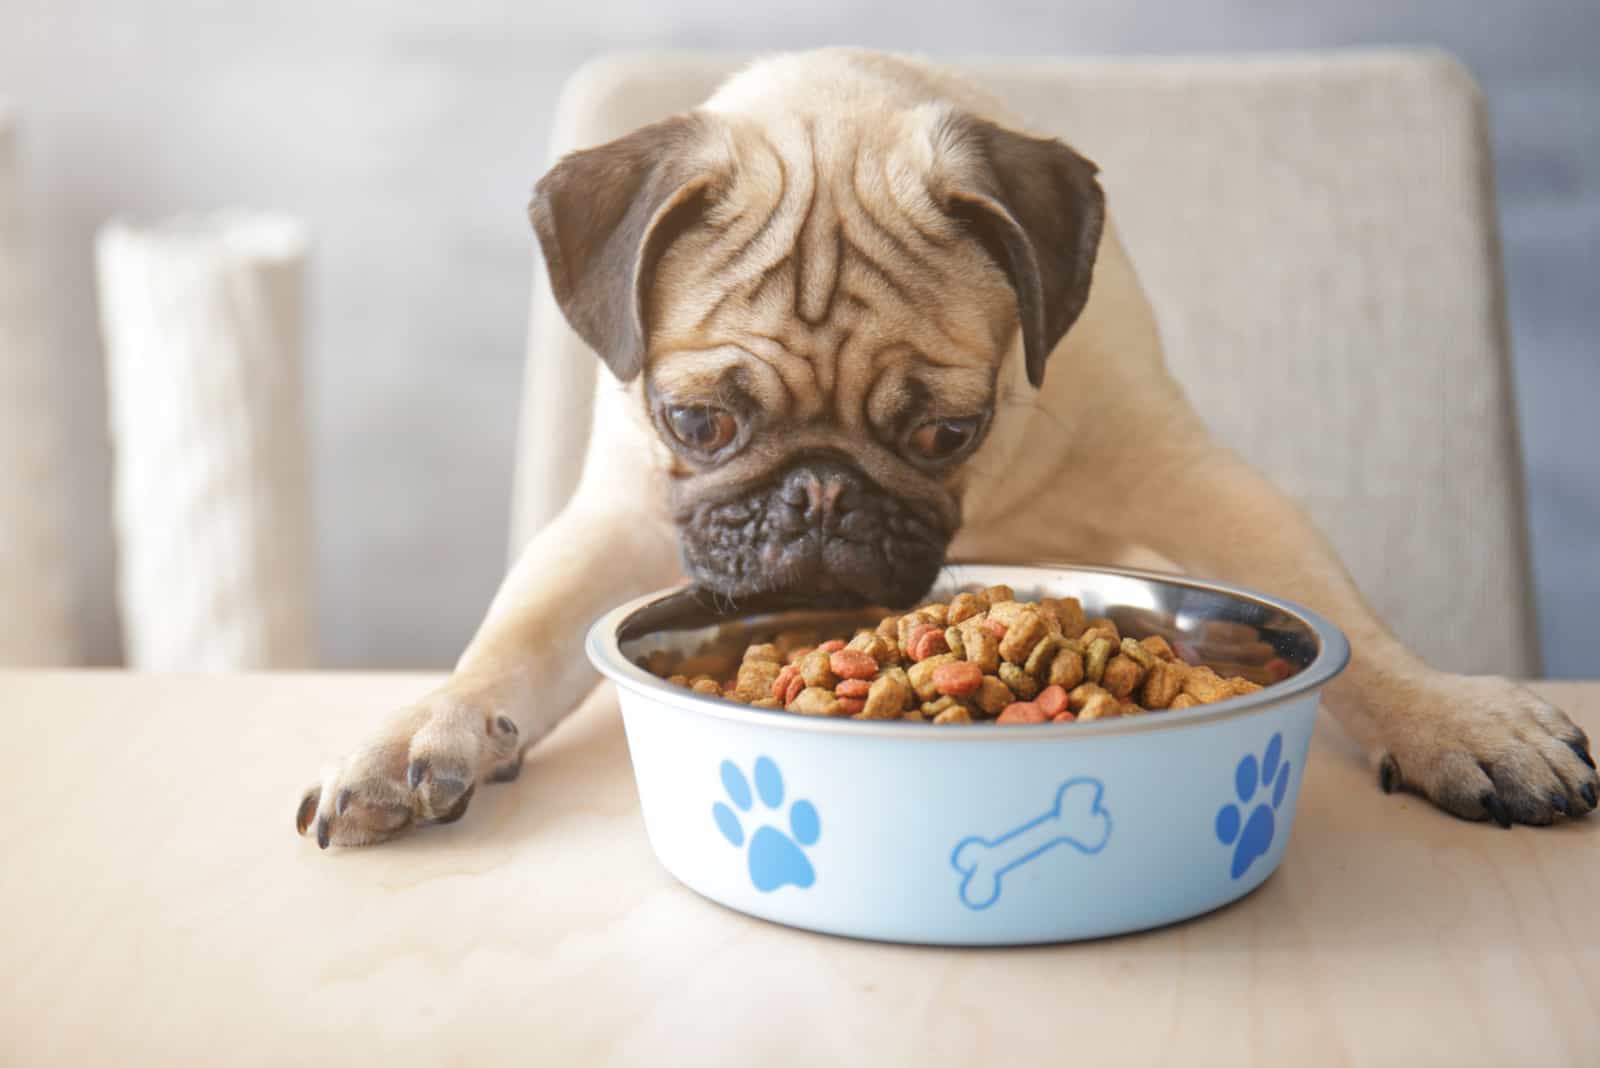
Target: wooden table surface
156	907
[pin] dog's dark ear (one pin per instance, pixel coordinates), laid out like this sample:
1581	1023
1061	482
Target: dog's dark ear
604	216
1036	207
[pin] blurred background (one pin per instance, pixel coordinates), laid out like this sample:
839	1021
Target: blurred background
405	137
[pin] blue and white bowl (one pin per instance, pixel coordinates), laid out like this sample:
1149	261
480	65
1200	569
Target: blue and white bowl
982	834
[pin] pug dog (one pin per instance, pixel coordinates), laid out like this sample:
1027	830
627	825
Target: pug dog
857	323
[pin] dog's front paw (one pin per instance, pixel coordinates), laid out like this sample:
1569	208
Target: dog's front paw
421	767
1484	748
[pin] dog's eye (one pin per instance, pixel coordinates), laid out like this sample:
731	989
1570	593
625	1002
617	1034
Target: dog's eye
702	427
943	438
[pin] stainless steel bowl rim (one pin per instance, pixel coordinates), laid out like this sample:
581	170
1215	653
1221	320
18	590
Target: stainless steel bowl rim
1333	653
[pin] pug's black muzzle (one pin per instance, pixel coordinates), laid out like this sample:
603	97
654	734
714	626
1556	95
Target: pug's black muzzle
821	530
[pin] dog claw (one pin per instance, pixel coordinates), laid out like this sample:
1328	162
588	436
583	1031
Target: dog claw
459	809
1583	752
506	772
1586	791
1496	809
307	809
1559	803
415	773
341	802
322	833
505	725
1388	775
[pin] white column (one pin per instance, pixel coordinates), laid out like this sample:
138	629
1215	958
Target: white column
202	325
34	626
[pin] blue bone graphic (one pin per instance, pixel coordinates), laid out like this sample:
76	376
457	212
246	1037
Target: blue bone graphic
1077	819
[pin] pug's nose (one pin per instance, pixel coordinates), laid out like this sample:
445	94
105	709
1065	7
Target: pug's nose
822	491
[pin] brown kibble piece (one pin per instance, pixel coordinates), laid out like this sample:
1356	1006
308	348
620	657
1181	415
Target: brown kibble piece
1122	676
962	606
921	676
1158	647
887	698
1070	611
1163	683
1101	706
816	668
937	614
1022	684
1021	636
678	680
952	716
1138	653
992	696
954	642
707	685
1079	695
997	595
815	701
1066	669
755	678
1206	686
1108	627
768	652
1183	700
1022	712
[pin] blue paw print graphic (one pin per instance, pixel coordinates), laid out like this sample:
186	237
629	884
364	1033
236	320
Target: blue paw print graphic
776	858
1251	839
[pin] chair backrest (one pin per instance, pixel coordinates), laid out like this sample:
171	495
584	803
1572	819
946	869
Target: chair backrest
1317	235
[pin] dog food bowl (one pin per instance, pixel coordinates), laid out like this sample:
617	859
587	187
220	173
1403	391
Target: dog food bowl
981	834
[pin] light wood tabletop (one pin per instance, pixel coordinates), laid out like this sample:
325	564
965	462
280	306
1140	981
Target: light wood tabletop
156	907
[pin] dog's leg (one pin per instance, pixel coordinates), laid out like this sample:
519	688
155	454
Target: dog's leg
522	673
1479	747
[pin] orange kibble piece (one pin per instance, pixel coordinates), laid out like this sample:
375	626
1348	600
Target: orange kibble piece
852	688
780	685
852	664
851	706
1063	717
1053	699
926	640
796	685
957	679
833	646
1022	712
995	627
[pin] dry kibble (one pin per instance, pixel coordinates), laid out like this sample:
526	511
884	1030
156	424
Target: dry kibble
997	595
850	664
1163	683
1101	706
921	676
1066	670
1095	656
816	668
1021	636
887	698
815	701
1022	712
992	696
981	655
981	648
962	606
848	688
1158	647
1043	654
957	678
1053	700
1121	677
1022	684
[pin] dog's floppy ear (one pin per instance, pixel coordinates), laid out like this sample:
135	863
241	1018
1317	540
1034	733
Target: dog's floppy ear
604	215
1037	209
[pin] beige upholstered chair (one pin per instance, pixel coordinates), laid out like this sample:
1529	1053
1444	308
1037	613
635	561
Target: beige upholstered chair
1317	235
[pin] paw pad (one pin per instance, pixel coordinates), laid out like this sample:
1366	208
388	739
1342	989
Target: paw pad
776	858
1252	837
